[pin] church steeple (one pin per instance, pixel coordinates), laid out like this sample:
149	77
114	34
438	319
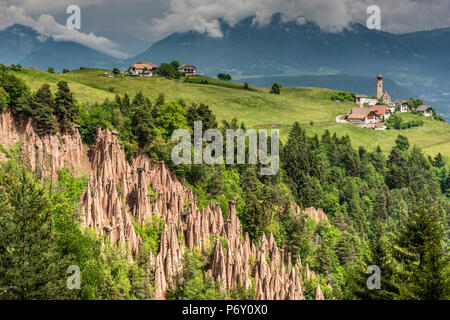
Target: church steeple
379	86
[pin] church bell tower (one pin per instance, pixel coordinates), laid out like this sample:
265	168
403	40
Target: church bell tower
379	86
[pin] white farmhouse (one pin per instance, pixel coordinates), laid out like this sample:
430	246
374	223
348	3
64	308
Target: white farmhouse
402	105
142	69
188	69
427	111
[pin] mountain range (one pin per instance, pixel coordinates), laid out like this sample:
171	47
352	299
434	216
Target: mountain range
281	51
20	44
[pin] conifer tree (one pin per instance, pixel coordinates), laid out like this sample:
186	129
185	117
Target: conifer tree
381	256
143	124
30	265
421	254
324	259
65	108
42	105
438	161
296	162
254	216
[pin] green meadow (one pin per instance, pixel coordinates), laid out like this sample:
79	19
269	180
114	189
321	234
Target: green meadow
255	107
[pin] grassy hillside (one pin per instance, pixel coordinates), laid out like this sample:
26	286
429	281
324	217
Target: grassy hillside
255	107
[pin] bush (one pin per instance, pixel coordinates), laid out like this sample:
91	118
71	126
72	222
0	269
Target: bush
65	70
16	88
276	88
196	80
343	96
396	122
16	67
168	70
224	76
51	70
116	71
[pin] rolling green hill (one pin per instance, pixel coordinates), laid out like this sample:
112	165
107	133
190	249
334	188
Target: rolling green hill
256	107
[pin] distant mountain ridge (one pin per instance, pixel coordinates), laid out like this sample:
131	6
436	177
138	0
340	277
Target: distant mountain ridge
16	42
418	61
20	44
293	49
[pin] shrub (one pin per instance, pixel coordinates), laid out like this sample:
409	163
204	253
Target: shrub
196	80
224	76
343	96
168	70
276	88
16	67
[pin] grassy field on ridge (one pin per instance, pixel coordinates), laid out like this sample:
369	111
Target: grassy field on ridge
254	107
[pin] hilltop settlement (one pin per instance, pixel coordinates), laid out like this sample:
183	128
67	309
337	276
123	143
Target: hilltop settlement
149	69
373	112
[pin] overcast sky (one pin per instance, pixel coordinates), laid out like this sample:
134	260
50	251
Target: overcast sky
127	27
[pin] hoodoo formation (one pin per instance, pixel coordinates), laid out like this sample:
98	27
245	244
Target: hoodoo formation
117	194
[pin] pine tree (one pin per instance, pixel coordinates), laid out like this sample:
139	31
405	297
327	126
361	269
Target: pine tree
398	171
380	206
296	163
30	264
377	159
345	250
324	259
255	219
65	108
124	104
143	127
438	161
201	113
297	234
42	105
421	254
215	182
381	256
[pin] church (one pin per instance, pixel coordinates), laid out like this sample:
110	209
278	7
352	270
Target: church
380	94
384	95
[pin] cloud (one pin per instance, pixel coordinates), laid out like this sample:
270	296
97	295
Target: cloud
138	23
204	15
47	27
38	7
330	15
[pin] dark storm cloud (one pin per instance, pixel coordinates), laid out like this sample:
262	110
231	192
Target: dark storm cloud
134	24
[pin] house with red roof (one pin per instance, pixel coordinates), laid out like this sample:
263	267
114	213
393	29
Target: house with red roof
361	116
382	112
